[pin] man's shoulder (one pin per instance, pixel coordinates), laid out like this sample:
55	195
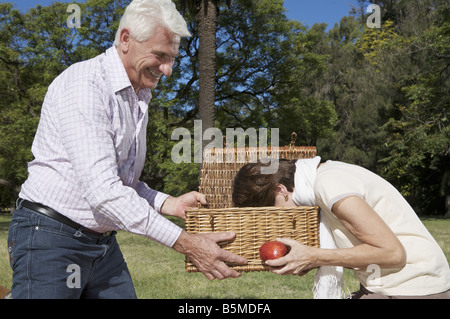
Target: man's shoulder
90	68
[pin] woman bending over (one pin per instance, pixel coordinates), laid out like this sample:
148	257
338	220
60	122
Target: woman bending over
371	228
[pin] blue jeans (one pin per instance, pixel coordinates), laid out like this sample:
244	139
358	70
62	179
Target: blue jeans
54	261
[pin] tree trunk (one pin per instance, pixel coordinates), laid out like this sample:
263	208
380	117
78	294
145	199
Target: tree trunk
446	191
447	206
207	26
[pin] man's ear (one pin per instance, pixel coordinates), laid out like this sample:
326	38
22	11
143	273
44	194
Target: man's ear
125	39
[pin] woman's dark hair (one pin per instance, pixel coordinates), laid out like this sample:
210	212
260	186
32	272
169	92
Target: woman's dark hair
253	189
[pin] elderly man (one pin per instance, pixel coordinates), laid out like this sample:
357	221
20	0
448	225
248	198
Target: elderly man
83	184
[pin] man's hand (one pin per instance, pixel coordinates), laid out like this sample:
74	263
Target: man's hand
176	206
203	251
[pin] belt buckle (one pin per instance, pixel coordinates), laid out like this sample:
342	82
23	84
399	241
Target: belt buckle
107	234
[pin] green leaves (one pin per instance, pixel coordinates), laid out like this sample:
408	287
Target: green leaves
418	136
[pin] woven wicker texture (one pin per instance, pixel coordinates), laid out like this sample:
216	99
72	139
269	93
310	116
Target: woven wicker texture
253	225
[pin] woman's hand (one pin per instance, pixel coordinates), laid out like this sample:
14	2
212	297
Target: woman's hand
299	261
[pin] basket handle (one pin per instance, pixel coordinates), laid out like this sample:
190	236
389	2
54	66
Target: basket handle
293	139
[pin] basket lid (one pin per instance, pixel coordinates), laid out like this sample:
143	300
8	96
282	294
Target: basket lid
220	166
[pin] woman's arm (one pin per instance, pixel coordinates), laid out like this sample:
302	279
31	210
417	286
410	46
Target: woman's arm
379	244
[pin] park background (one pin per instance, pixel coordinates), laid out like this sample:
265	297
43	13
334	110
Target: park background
376	97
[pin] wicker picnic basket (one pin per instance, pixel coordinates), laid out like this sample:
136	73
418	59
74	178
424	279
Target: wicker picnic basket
253	225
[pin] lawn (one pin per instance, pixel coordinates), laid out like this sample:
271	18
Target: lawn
158	272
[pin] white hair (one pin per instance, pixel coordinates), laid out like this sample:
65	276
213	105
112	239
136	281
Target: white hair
142	17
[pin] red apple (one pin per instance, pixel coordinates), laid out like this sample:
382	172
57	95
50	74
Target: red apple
272	250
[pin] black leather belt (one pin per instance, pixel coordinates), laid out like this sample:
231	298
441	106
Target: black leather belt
49	212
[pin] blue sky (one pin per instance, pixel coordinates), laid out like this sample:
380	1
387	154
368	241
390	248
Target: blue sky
306	11
309	12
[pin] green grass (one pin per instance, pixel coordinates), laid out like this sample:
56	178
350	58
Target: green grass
158	272
5	270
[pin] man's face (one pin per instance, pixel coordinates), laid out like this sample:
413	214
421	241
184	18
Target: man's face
145	62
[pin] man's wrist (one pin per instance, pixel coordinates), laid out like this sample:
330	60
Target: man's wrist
160	199
166	205
179	244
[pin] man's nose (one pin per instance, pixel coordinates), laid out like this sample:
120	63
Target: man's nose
166	69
